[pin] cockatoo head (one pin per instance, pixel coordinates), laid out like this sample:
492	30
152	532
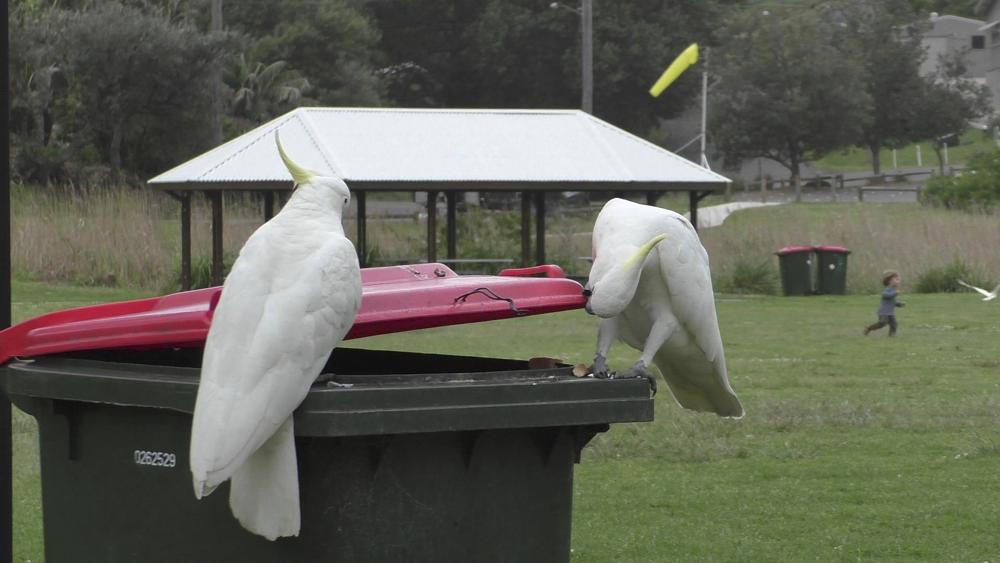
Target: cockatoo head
614	279
331	191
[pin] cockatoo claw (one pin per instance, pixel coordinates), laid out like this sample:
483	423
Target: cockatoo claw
640	370
600	368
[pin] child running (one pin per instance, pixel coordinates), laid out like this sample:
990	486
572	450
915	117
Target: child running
887	309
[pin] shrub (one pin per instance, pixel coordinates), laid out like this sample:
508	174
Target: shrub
978	188
201	271
752	277
943	279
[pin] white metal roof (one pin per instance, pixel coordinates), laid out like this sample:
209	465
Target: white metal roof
380	148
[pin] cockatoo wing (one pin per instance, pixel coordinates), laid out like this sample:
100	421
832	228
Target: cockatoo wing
980	290
282	311
692	361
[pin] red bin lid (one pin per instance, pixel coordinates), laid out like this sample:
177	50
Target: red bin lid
394	299
793	250
835	249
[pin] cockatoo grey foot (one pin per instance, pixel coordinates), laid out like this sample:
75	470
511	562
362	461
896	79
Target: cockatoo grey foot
600	367
640	370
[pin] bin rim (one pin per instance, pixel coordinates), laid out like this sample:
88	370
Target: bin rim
833	249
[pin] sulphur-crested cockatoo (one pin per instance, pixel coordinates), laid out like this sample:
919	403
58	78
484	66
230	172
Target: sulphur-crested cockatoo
987	295
651	286
290	298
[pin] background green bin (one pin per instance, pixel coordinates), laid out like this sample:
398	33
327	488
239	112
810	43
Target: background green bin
832	274
796	265
413	457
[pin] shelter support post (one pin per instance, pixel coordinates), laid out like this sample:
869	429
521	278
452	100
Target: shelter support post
216	199
652	197
525	229
186	241
362	219
268	205
451	227
185	200
432	226
694	197
540	227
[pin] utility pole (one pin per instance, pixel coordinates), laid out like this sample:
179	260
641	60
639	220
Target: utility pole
587	51
586	14
704	109
6	438
215	27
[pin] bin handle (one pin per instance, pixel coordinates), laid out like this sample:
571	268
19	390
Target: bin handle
489	293
550	271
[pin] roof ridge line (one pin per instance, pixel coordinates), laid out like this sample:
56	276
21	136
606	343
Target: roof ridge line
324	150
686	161
282	119
437	110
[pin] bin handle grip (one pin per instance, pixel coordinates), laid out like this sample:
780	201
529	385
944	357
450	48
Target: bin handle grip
550	271
489	293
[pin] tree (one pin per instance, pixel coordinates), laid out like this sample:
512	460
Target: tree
138	81
948	102
882	37
784	91
36	80
262	91
525	54
331	43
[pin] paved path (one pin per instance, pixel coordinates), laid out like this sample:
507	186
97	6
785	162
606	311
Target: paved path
715	215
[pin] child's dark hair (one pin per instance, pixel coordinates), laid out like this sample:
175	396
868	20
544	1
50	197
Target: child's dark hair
887	276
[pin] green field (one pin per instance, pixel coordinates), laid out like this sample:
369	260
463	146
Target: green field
853	448
972	142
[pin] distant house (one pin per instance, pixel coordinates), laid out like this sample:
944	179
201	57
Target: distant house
990	11
951	35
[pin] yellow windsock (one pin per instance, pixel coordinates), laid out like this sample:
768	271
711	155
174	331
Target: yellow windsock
680	64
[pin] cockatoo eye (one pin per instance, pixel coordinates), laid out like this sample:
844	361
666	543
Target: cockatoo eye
345	201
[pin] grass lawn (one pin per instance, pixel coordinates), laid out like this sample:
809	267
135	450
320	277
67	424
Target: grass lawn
853	448
854	159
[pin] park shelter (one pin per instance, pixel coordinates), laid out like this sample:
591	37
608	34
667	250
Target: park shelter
436	151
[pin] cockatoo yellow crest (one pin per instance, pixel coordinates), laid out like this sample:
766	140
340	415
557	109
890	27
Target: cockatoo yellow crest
299	174
687	58
290	298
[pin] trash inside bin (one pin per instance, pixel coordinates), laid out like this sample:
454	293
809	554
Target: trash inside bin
401	456
832	269
796	265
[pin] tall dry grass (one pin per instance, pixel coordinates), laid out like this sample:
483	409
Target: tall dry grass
905	237
130	238
116	237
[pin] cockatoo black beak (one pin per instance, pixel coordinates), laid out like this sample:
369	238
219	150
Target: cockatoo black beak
587	293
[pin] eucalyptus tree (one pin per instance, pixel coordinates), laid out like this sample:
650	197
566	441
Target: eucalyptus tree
784	90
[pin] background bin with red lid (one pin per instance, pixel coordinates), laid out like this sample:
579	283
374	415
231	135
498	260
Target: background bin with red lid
406	457
796	264
831	263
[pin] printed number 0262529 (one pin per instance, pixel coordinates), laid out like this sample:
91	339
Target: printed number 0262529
155	459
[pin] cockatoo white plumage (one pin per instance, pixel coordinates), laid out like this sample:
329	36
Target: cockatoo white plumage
651	285
987	295
290	298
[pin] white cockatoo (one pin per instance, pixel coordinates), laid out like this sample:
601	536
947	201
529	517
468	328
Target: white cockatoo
650	284
290	298
987	295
